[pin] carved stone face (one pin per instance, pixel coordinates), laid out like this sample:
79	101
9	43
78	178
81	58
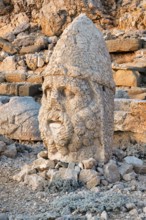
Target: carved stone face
76	116
68	117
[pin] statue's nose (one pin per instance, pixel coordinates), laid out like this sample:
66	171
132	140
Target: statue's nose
55	98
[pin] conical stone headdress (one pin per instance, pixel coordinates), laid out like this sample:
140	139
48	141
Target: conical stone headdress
81	52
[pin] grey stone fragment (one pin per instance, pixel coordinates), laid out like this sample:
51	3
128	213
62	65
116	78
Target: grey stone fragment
119	153
71	165
10	151
121	94
18	119
111	172
129	176
4	99
2	146
89	164
125	168
69	174
140	169
86	175
133	160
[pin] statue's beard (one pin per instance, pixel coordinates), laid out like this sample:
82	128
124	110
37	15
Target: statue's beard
56	130
63	133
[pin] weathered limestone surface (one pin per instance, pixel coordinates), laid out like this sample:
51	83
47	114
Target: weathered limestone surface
20	89
123	45
131	14
18	118
19	23
127	78
55	16
76	117
130	115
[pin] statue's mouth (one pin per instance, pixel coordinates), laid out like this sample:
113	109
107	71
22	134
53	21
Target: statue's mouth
59	129
53	121
55	127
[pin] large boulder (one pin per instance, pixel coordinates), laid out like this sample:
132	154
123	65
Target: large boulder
56	15
18	118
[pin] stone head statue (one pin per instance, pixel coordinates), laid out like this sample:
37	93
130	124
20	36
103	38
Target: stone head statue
76	116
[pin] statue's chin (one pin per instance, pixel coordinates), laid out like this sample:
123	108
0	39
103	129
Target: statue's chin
56	132
56	136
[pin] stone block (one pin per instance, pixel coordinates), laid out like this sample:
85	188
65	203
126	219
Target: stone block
19	23
123	45
2	79
89	164
127	78
8	64
95	181
133	161
69	174
8	89
137	65
137	93
7	46
31	61
43	154
129	176
35	79
24	40
125	168
86	175
18	119
43	164
140	169
130	115
29	89
122	57
15	77
30	49
111	172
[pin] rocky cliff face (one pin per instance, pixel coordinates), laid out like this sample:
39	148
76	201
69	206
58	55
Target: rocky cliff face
53	16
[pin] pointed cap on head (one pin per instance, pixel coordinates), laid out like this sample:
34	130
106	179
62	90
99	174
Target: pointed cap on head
81	52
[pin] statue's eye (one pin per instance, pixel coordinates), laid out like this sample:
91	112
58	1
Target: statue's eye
70	94
47	91
66	93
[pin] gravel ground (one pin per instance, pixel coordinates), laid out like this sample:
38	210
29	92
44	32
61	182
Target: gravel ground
122	200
